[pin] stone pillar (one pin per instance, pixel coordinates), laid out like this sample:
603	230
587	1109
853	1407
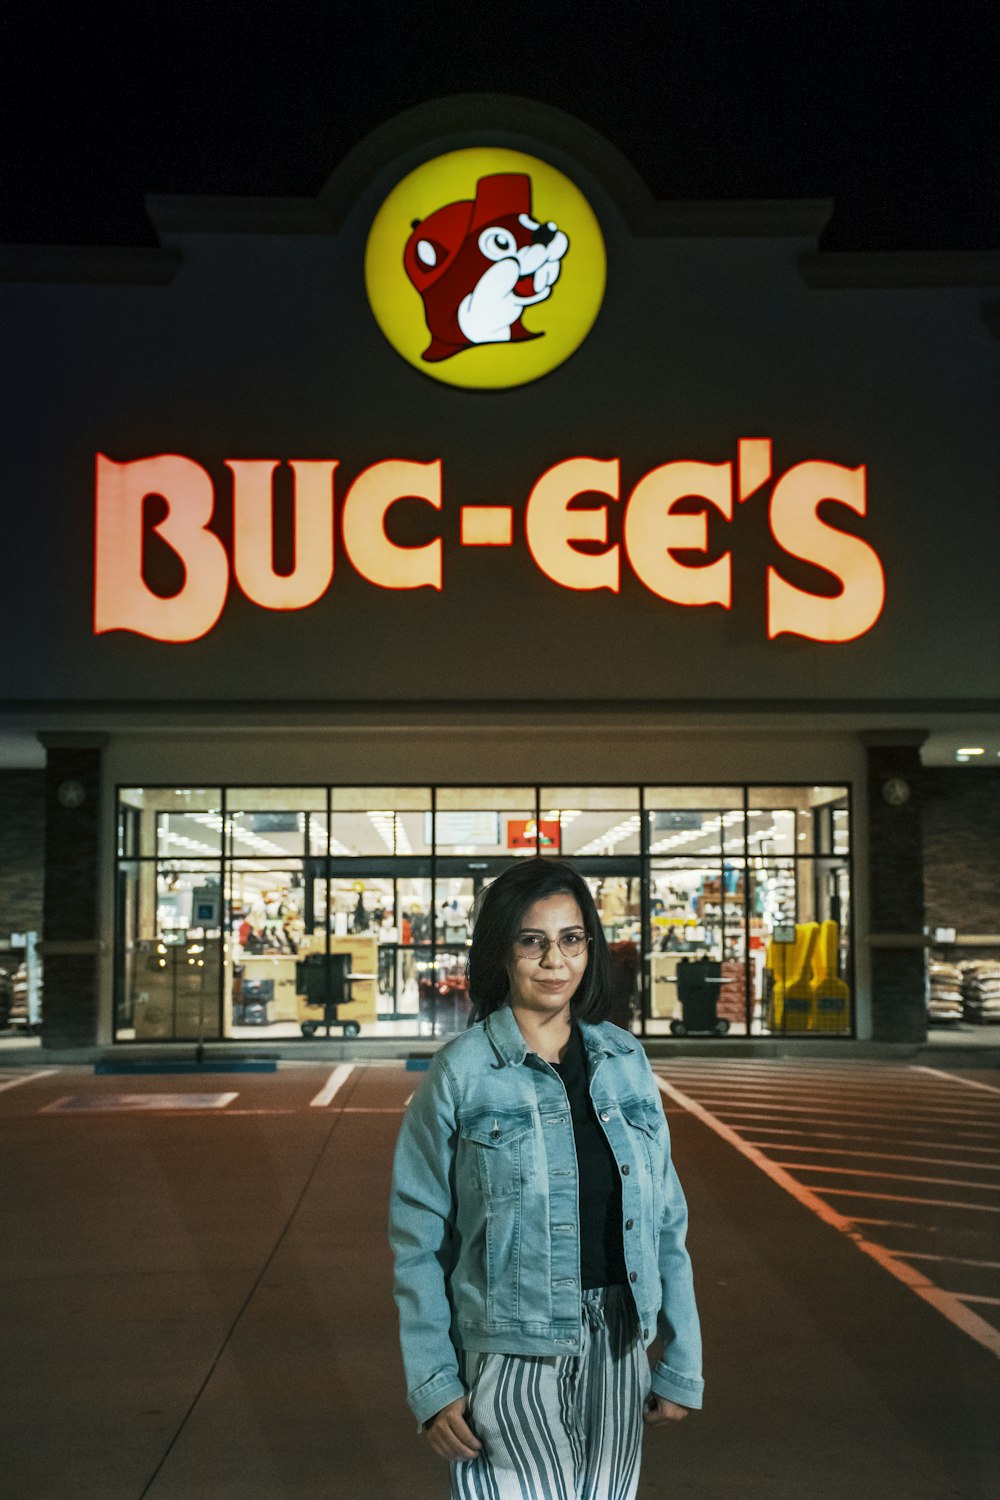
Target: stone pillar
70	940
896	885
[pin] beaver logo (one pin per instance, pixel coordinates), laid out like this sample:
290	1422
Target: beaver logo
478	264
491	254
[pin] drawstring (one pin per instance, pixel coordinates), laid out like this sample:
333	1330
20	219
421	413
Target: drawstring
593	1309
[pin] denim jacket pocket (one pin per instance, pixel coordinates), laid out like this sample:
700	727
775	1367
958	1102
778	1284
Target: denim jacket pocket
645	1117
498	1150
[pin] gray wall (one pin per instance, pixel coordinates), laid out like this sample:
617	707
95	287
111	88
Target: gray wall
961	820
22	840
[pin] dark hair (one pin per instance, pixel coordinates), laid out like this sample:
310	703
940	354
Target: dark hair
499	915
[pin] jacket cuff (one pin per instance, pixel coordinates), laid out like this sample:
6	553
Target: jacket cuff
686	1390
428	1399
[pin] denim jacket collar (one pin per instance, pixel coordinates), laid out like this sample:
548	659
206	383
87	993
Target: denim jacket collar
509	1045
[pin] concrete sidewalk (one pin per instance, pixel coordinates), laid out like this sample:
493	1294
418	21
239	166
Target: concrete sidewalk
198	1307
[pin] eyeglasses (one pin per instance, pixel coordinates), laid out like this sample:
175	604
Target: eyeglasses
535	945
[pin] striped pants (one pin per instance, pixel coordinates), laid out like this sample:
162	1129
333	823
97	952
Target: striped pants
559	1427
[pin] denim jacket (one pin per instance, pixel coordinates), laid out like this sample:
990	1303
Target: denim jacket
484	1216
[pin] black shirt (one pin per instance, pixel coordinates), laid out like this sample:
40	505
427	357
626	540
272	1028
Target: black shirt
602	1255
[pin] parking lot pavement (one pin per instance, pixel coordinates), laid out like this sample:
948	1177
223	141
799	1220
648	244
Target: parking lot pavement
288	1088
197	1300
903	1160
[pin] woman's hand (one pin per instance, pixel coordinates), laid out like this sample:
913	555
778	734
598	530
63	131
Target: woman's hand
659	1409
450	1435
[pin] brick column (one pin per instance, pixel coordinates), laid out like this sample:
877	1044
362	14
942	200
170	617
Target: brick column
70	941
896	885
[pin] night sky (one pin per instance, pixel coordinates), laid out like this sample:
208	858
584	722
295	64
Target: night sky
892	109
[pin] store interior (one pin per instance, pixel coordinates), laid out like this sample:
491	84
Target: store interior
310	911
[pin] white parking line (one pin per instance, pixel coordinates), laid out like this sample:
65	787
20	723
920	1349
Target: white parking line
970	1083
946	1303
808	1121
12	1083
884	1224
808	1166
930	1161
950	1260
838	1135
975	1208
336	1081
802	1109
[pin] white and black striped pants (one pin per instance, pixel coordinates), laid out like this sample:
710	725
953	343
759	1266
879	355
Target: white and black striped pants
559	1427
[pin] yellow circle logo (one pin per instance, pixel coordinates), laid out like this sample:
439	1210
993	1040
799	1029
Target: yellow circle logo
485	268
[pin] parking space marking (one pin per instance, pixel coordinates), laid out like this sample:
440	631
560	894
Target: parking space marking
970	1083
116	1103
975	1208
967	1119
950	1306
808	1166
12	1080
931	1161
951	1260
335	1082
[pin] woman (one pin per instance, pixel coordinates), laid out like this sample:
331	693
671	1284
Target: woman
537	1221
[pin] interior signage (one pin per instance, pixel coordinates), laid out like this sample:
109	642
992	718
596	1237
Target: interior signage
569	505
485	268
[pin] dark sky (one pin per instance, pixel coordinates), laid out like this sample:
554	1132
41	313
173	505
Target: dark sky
891	108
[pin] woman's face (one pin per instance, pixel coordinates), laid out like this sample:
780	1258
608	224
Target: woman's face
546	980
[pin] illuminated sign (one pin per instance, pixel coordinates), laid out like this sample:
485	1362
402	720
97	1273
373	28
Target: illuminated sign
654	531
485	268
522	832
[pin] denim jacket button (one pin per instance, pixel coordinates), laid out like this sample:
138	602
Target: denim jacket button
633	1276
605	1115
625	1171
629	1223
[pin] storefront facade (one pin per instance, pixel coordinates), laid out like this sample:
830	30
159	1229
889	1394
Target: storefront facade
346	586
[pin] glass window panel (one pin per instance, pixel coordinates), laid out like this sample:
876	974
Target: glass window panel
275	821
129	822
590	798
690	798
454	898
696	958
361	798
445	1003
608	832
773	831
495	827
801	962
170	965
181	823
473	798
695	820
276	799
414	898
268	942
270	910
362	832
791	819
388	822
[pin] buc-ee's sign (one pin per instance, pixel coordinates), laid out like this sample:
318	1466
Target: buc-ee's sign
568	505
484	268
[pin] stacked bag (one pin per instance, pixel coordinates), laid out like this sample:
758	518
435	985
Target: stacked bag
981	989
946	999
